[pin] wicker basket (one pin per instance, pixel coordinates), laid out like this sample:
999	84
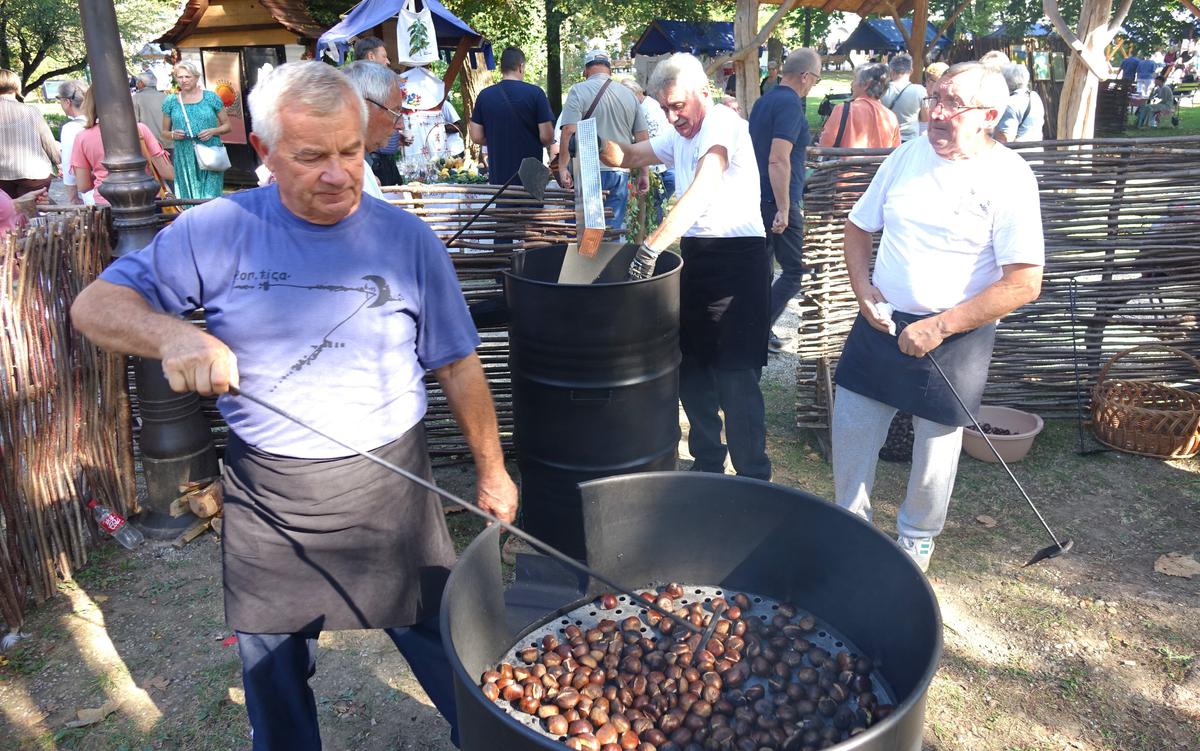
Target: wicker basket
1146	418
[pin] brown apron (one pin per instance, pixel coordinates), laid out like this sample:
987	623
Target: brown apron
314	544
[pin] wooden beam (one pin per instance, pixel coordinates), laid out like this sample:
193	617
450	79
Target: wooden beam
1191	6
759	40
1098	68
900	27
916	42
946	25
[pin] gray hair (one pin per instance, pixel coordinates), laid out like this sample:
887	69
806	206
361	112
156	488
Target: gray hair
1016	76
901	64
72	91
802	60
632	85
989	90
188	67
872	78
148	79
680	69
372	80
310	85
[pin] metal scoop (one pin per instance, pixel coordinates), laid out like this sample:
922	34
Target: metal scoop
545	547
534	175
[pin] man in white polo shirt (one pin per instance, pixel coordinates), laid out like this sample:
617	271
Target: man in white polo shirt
961	248
725	284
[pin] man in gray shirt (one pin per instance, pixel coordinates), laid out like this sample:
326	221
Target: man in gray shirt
148	102
905	98
618	118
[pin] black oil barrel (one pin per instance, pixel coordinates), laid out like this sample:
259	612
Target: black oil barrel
595	379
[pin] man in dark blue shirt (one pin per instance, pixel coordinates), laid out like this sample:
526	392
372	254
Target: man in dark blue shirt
512	118
1129	67
779	131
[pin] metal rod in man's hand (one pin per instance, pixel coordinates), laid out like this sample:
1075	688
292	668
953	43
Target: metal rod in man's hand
992	446
635	598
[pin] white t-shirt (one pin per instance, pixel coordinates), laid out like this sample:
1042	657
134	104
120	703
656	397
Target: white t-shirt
949	226
370	182
733	211
904	99
67	133
656	122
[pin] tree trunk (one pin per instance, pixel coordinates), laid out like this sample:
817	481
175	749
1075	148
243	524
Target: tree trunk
808	14
554	21
745	29
775	51
473	80
1077	103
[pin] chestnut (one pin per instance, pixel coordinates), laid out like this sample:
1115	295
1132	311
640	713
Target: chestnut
556	725
608	601
491	691
579	727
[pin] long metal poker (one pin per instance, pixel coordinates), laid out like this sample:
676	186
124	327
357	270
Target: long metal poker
546	548
1044	552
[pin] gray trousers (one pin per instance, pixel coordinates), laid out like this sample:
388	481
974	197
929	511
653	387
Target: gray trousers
860	427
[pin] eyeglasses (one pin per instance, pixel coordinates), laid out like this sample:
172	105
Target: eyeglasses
816	78
397	115
932	103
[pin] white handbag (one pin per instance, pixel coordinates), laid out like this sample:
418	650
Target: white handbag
210	158
416	39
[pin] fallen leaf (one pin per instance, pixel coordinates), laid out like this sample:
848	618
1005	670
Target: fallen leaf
986	521
85	717
229	641
1177	564
100	598
158	682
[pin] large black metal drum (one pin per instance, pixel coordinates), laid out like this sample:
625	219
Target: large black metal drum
732	533
595	383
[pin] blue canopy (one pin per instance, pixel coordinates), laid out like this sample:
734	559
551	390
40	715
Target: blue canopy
699	38
1031	31
370	13
882	35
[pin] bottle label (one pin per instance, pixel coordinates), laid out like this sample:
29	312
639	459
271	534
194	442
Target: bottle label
111	522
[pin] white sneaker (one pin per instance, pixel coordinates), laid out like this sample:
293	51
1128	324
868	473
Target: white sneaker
920	549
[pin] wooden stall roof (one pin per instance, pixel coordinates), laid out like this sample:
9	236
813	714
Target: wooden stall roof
237	18
860	7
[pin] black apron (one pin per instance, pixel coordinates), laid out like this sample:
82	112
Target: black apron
313	544
725	301
873	365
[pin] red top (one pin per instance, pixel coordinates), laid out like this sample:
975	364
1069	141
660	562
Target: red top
88	152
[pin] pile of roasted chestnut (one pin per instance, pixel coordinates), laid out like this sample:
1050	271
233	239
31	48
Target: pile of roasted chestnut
646	683
995	429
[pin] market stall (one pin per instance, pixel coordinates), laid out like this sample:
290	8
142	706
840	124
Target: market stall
231	44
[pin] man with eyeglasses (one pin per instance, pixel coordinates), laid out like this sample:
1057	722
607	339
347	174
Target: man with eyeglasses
779	131
380	89
961	248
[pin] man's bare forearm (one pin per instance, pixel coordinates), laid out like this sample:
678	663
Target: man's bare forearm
117	319
857	251
1020	285
471	404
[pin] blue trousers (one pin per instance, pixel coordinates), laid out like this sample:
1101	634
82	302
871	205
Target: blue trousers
616	188
276	669
787	248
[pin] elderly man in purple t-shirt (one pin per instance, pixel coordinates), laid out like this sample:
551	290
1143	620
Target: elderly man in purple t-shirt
332	305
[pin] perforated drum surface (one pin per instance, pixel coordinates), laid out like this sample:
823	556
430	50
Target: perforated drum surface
590	615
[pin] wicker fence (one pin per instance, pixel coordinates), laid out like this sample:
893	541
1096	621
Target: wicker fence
63	405
1122	229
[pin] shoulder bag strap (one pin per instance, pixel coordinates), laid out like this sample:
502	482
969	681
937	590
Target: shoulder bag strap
185	115
837	142
596	101
513	110
897	97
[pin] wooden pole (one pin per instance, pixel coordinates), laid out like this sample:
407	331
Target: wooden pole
745	29
916	40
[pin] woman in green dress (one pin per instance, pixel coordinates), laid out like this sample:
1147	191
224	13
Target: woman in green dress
207	120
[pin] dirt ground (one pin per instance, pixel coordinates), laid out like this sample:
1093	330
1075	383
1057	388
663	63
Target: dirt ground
1091	651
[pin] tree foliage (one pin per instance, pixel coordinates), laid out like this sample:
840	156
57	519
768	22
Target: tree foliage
43	39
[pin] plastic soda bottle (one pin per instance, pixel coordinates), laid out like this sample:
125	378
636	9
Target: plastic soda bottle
114	524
